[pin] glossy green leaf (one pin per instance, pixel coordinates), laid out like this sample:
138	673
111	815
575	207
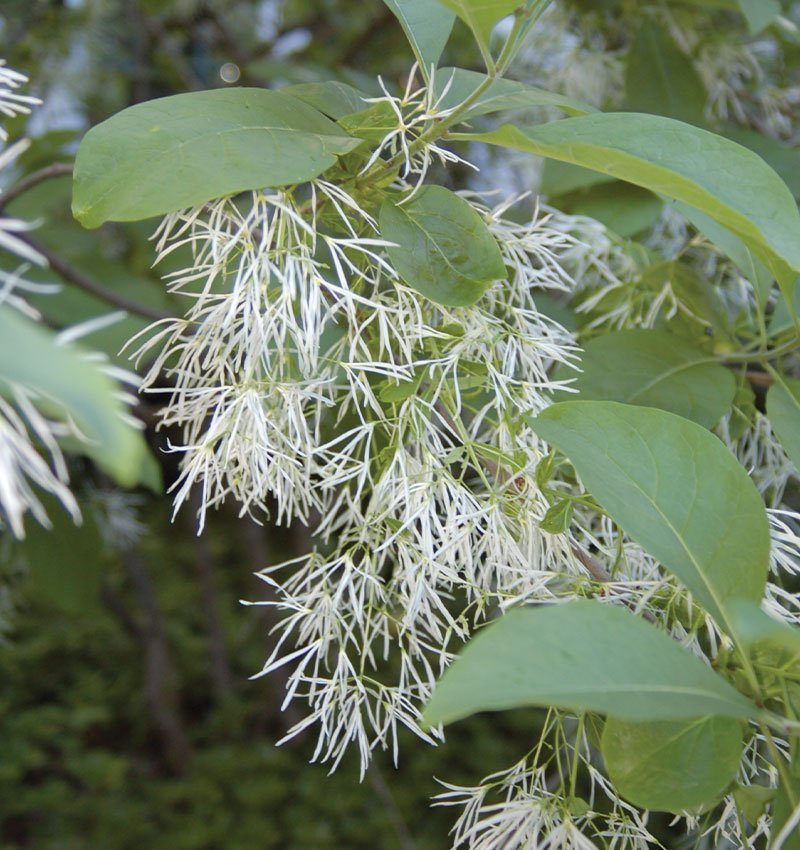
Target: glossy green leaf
674	488
444	249
759	13
581	656
661	79
783	409
673	766
720	178
427	25
654	368
455	85
176	152
70	384
330	97
482	15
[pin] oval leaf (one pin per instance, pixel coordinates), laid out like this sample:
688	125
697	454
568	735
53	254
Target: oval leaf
783	409
674	488
176	152
654	368
725	180
444	249
581	656
74	386
673	766
427	26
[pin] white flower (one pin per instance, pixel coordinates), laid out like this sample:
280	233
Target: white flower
11	101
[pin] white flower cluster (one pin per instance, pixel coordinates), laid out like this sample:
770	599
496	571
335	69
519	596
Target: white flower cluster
31	458
310	382
23	467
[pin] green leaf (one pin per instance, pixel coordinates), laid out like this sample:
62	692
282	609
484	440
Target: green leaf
427	26
457	84
753	627
581	656
482	15
759	13
661	79
444	248
561	178
785	809
720	178
30	355
752	800
176	152
654	368
674	488
622	207
558	518
673	766
783	410
331	97
784	159
730	244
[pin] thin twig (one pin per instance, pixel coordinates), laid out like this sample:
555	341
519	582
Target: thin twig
57	169
70	274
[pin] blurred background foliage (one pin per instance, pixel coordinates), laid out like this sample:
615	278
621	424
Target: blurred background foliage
127	716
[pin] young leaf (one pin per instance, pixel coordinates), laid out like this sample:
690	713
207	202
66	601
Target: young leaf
675	489
482	15
71	385
176	152
581	656
783	409
427	26
661	78
674	765
444	249
725	180
654	368
457	84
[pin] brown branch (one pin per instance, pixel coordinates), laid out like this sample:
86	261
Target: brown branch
57	169
161	677
75	276
221	676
